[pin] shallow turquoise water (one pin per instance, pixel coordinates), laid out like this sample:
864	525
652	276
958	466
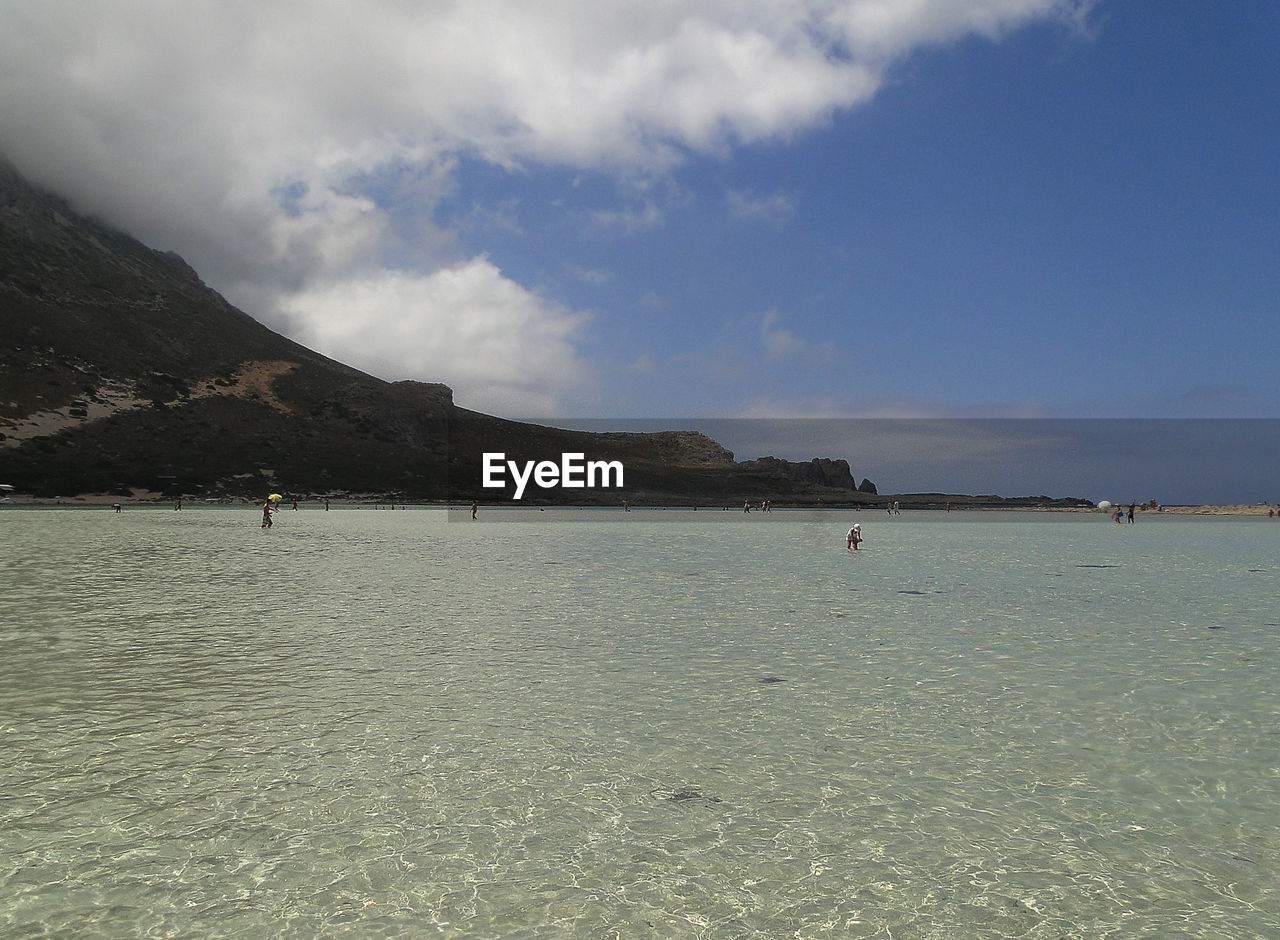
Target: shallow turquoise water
653	724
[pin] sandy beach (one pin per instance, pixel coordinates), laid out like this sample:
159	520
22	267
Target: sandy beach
1253	510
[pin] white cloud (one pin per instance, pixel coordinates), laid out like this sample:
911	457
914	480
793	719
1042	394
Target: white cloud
781	343
593	276
257	139
775	207
643	364
778	343
628	221
502	217
502	348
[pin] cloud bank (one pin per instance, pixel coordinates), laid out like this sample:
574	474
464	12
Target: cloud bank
296	152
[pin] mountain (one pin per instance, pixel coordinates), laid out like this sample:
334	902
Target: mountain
121	372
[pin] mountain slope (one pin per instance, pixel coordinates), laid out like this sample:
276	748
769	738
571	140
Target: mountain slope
122	371
147	377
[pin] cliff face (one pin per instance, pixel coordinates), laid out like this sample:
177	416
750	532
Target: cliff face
122	371
821	471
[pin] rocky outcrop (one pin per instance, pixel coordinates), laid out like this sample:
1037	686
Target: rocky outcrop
678	448
820	471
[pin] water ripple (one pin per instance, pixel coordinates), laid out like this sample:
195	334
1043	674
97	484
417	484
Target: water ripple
383	724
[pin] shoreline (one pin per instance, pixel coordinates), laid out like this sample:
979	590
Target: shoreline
156	501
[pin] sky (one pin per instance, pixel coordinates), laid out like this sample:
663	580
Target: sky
1174	461
716	208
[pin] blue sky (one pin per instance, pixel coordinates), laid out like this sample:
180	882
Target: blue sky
1175	461
1057	223
817	208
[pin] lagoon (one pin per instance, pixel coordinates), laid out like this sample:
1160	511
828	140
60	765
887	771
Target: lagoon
666	724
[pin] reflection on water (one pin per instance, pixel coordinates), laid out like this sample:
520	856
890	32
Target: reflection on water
655	725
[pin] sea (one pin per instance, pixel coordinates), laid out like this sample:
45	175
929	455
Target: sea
660	723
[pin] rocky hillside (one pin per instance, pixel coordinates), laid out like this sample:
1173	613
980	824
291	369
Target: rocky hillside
121	372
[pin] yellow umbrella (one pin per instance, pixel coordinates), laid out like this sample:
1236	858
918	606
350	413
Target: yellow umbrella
275	497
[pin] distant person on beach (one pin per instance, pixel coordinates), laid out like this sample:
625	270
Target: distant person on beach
115	506
266	514
475	508
326	505
746	507
854	538
1132	506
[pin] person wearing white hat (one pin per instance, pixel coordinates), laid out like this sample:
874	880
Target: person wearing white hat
854	536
